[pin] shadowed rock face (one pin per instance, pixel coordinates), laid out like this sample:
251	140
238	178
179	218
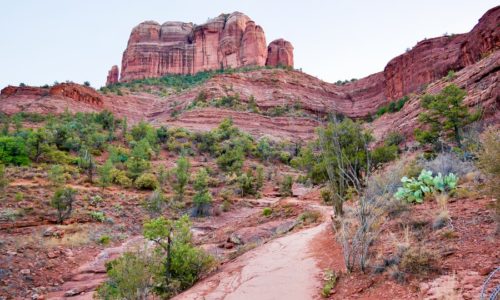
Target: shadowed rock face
227	41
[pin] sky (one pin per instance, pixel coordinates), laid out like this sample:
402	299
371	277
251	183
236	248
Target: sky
58	40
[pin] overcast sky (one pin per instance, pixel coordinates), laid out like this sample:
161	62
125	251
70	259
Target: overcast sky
58	40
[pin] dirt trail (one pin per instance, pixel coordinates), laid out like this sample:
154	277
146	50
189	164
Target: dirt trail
284	268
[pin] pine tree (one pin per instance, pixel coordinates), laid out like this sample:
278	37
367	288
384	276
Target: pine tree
446	116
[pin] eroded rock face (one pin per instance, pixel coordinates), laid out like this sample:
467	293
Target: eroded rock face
227	41
280	53
431	59
113	76
77	92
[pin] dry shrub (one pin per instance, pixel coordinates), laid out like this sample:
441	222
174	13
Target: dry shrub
443	217
489	163
446	163
418	260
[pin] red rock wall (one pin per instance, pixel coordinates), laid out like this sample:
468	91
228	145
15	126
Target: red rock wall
77	92
432	59
227	41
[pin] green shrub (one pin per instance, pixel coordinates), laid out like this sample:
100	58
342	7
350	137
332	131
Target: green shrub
13	151
147	181
326	195
202	199
394	138
131	274
98	216
181	176
104	240
3	179
120	177
384	154
309	217
183	263
62	201
226	206
286	186
136	166
267	211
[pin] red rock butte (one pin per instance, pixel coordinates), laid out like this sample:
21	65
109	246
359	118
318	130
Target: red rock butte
227	41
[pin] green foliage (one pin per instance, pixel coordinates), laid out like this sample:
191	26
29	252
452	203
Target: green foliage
3	179
326	195
146	181
120	177
264	150
445	116
309	160
394	138
202	199
163	175
155	203
331	279
286	186
177	82
57	175
105	176
86	163
267	211
98	216
13	151
246	182
143	131
383	154
392	107
131	276
414	190
309	217
38	143
104	240
162	134
136	166
19	196
181	174
345	156
62	201
184	263
231	157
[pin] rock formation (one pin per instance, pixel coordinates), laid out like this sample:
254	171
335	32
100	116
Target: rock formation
433	58
227	41
113	76
279	53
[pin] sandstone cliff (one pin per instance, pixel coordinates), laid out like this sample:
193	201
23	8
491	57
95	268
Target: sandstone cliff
113	76
227	41
433	58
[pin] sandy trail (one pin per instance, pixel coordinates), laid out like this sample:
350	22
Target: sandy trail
281	269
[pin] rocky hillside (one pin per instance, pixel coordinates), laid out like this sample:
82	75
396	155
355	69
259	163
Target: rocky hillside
470	60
